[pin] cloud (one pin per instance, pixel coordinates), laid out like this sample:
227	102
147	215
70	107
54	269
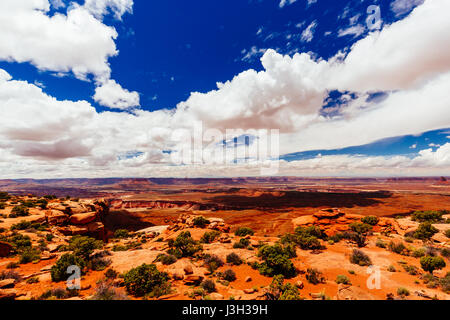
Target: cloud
57	4
287	94
252	54
76	42
286	2
378	63
112	95
355	31
99	8
308	34
400	7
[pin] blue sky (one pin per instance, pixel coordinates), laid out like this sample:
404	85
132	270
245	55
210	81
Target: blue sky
168	50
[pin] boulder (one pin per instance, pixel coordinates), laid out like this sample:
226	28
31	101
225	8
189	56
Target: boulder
187	268
58	207
440	238
73	230
299	284
97	230
248	279
7	283
328	214
177	274
193	279
56	217
83	218
8	294
216	296
5	249
304	221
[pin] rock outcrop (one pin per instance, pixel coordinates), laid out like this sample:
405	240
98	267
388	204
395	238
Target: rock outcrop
333	221
79	218
5	249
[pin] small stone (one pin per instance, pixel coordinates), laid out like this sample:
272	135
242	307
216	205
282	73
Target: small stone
86	287
188	269
248	279
216	296
299	284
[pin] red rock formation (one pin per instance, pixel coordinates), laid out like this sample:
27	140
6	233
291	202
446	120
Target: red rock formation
5	249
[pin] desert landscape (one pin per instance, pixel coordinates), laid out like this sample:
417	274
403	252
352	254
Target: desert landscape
280	238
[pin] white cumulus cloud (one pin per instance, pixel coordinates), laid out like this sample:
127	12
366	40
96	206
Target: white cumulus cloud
112	95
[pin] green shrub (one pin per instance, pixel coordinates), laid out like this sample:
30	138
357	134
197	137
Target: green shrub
184	245
57	293
212	262
118	247
305	238
84	246
402	291
312	231
210	237
106	291
412	270
276	261
360	228
445	252
428	216
121	234
280	291
166	259
32	280
20	242
290	292
342	279
20	211
314	276
4	196
208	285
371	220
242	244
12	265
59	270
380	243
430	263
418	253
447	233
360	258
99	263
234	259
398	247
201	222
29	255
228	275
111	274
146	280
308	243
10	274
244	231
25	225
425	231
445	283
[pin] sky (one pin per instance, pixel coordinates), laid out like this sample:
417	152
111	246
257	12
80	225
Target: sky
122	88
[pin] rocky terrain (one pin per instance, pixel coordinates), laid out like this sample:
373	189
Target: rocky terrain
164	249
